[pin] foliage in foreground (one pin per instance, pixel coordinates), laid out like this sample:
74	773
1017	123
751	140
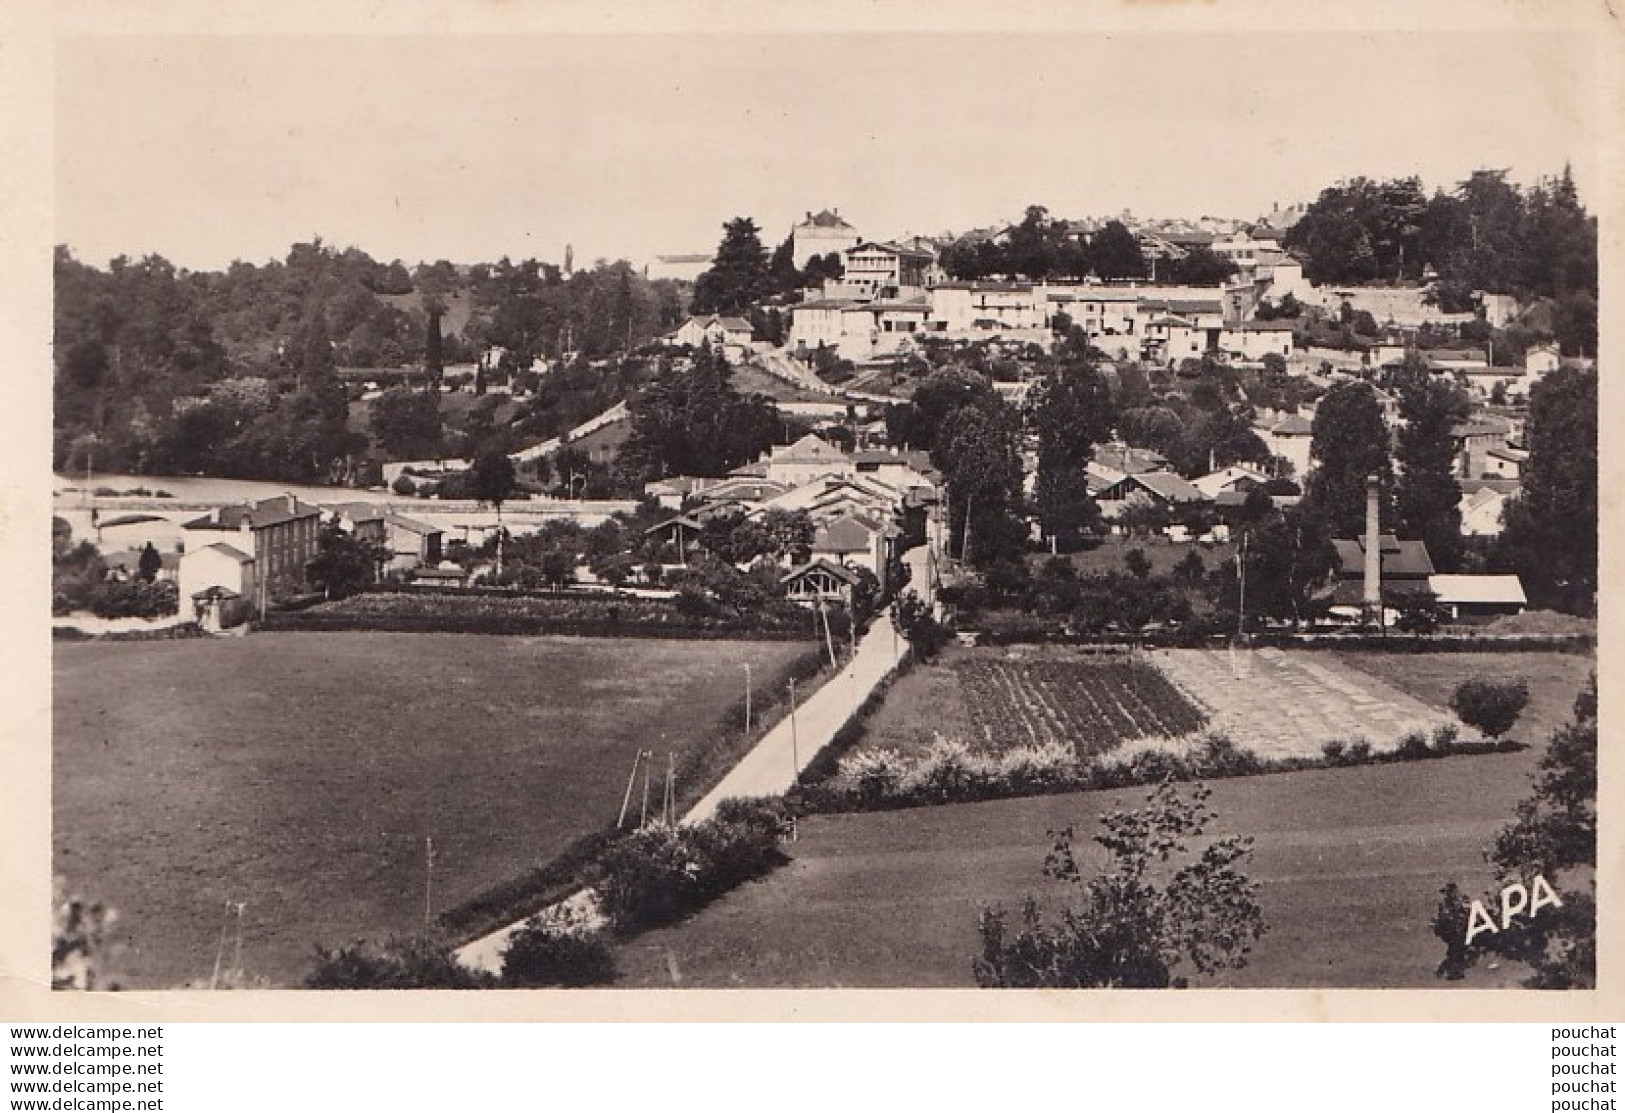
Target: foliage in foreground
81	942
1553	836
414	963
557	948
1127	930
660	874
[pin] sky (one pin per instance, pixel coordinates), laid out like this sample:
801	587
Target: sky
206	150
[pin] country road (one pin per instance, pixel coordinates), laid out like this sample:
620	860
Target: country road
773	764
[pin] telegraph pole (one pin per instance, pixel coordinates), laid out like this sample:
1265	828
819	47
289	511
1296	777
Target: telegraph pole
795	754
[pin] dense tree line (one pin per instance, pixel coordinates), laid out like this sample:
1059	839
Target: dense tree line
235	372
1485	234
1041	247
692	420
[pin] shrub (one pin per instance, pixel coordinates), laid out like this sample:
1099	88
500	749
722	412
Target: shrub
1126	930
1335	750
1490	706
400	964
556	948
1219	756
1445	737
649	878
659	874
403	485
1359	751
1413	747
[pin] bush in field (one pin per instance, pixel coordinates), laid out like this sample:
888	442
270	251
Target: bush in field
1490	706
403	485
556	948
400	964
1128	929
660	874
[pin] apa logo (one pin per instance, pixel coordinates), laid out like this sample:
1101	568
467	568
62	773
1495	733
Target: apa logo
1515	899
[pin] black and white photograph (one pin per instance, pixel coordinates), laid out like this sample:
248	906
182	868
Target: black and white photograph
861	505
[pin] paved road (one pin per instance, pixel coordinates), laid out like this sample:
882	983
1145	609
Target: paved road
770	768
779	758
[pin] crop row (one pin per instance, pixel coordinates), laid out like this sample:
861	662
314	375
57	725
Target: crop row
1090	707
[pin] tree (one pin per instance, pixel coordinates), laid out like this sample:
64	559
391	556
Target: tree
1552	841
919	627
492	480
434	350
1134	925
1428	496
1071	413
738	275
1115	253
1349	439
1286	562
344	563
978	450
149	564
406	424
1550	535
1490	706
1200	266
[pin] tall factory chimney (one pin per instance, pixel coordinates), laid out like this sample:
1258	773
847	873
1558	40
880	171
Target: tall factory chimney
1373	549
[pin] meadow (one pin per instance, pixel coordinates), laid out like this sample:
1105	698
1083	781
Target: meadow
303	773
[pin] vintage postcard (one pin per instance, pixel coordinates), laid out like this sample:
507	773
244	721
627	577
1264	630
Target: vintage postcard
702	512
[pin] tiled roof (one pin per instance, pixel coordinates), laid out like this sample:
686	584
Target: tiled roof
412	525
1401	560
1292	425
844	535
840	572
260	515
1169	486
825	219
231	551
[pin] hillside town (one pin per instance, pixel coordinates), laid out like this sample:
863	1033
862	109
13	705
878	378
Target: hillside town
1056	506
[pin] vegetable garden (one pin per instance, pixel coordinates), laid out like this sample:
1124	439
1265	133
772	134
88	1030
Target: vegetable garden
1089	706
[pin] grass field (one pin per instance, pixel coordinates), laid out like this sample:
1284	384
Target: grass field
1554	679
301	773
1163	555
1350	862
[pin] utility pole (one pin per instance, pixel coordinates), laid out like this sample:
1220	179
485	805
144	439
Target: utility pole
428	882
643	820
747	696
795	752
1241	576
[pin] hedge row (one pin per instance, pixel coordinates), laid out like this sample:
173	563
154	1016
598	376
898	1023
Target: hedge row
161	634
950	773
1038	634
319	622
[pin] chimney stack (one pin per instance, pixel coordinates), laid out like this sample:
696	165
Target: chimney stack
1373	548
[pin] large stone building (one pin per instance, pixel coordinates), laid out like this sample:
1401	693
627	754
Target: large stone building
821	234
